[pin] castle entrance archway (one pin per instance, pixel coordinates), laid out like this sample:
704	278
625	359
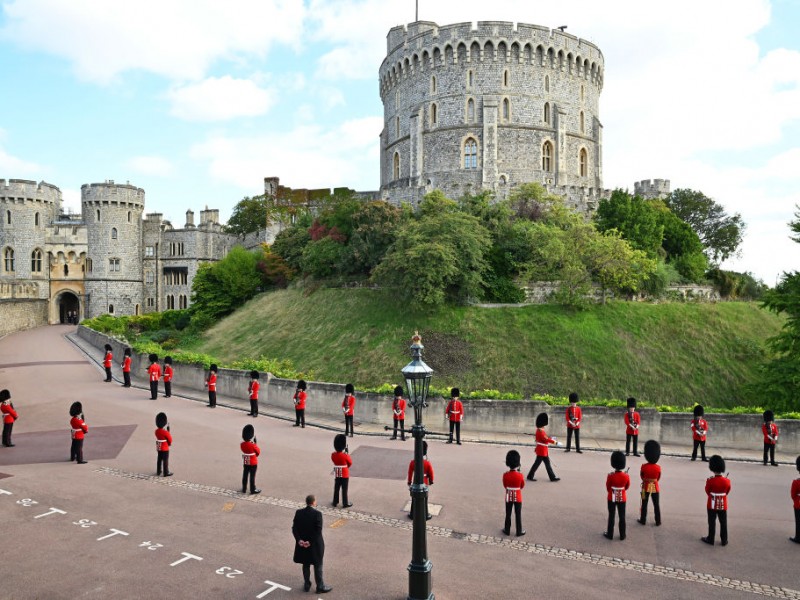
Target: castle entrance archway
69	308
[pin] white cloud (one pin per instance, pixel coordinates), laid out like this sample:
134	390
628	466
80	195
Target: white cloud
13	167
157	166
178	39
219	99
71	200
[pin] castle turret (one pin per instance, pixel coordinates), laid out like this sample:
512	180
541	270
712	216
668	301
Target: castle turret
189	220
655	189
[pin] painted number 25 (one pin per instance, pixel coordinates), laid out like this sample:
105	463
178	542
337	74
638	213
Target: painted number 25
233	572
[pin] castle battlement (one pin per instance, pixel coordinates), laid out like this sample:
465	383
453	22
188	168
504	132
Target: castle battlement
112	193
19	190
425	44
655	188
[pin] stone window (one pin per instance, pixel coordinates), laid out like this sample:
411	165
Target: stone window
582	123
176	249
113	265
129	216
505	78
98	214
470	111
397	126
396	165
433	84
470	153
506	109
547	112
434	114
170	302
547	157
397	99
149	251
469	79
111	309
88	265
582	161
8	259
547	83
182	301
36	219
149	277
8	217
113	233
36	261
151	302
136	309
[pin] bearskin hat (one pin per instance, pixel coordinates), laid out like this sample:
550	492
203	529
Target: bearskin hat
108	347
542	420
5	395
254	375
349	389
153	358
652	451
75	409
698	411
167	360
573	398
768	416
213	367
340	442
161	420
631	402
797	463
716	463
301	385
248	432
513	460
618	460
455	393
127	352
398	391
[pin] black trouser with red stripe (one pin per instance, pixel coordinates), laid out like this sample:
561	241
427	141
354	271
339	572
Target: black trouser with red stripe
401	423
254	407
154	389
699	444
299	417
539	460
126	377
517	508
457	426
348	424
108	373
168	388
628	438
769	449
340	483
212	398
76	451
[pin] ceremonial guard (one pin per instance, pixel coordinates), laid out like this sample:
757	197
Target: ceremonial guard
770	431
717	487
126	368
513	482
543	442
699	430
574	416
341	469
632	422
211	384
108	359
300	404
796	500
399	413
455	414
163	442
168	374
154	374
427	477
349	408
309	548
78	430
617	484
250	453
651	474
9	416
253	388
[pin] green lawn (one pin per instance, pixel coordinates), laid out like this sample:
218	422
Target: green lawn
675	354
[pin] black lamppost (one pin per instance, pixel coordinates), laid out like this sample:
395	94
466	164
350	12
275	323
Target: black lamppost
418	379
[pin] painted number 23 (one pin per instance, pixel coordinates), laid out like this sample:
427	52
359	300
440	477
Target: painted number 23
233	572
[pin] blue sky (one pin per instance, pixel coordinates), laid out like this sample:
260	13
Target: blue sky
196	102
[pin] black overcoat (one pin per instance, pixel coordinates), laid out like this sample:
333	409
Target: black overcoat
307	525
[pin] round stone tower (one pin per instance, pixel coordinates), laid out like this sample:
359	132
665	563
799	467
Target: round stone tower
113	217
490	107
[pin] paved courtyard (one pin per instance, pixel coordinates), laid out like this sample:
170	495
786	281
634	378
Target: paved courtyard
112	529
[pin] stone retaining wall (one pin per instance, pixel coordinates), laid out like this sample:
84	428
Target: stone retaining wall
17	315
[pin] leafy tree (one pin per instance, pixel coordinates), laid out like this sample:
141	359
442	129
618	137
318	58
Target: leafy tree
323	258
220	288
660	279
375	226
533	202
615	265
275	271
736	286
636	219
249	215
290	243
721	234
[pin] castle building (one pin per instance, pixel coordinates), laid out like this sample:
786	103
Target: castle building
488	108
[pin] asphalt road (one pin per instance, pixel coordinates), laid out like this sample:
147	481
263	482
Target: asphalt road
111	529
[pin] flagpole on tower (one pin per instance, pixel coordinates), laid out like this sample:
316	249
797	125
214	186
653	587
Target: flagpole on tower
416	13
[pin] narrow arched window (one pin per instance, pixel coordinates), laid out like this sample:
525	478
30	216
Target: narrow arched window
547	83
583	127
433	84
470	111
129	216
547	112
505	78
36	219
397	126
36	261
111	309
470	153
547	157
434	113
113	233
583	160
469	79
396	165
8	217
8	260
98	214
506	109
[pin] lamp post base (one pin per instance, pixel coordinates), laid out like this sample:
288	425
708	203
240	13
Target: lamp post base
420	584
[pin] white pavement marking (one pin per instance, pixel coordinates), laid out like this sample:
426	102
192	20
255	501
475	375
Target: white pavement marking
539	549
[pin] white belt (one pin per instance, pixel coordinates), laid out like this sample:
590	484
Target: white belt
541	444
513	489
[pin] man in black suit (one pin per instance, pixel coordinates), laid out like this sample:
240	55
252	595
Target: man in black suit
310	547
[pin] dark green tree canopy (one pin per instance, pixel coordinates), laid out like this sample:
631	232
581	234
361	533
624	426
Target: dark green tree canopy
249	215
635	218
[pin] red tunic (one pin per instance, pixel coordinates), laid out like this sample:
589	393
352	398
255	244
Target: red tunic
699	429
796	493
650	475
513	481
300	399
349	405
399	409
167	373
126	364
9	414
770	431
163	440
107	360
155	371
629	426
718	488
455	410
427	472
250	453
211	382
341	464
573	417
79	428
254	387
542	442
617	483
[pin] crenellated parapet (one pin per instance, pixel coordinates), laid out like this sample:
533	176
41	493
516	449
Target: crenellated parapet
651	189
112	193
20	191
